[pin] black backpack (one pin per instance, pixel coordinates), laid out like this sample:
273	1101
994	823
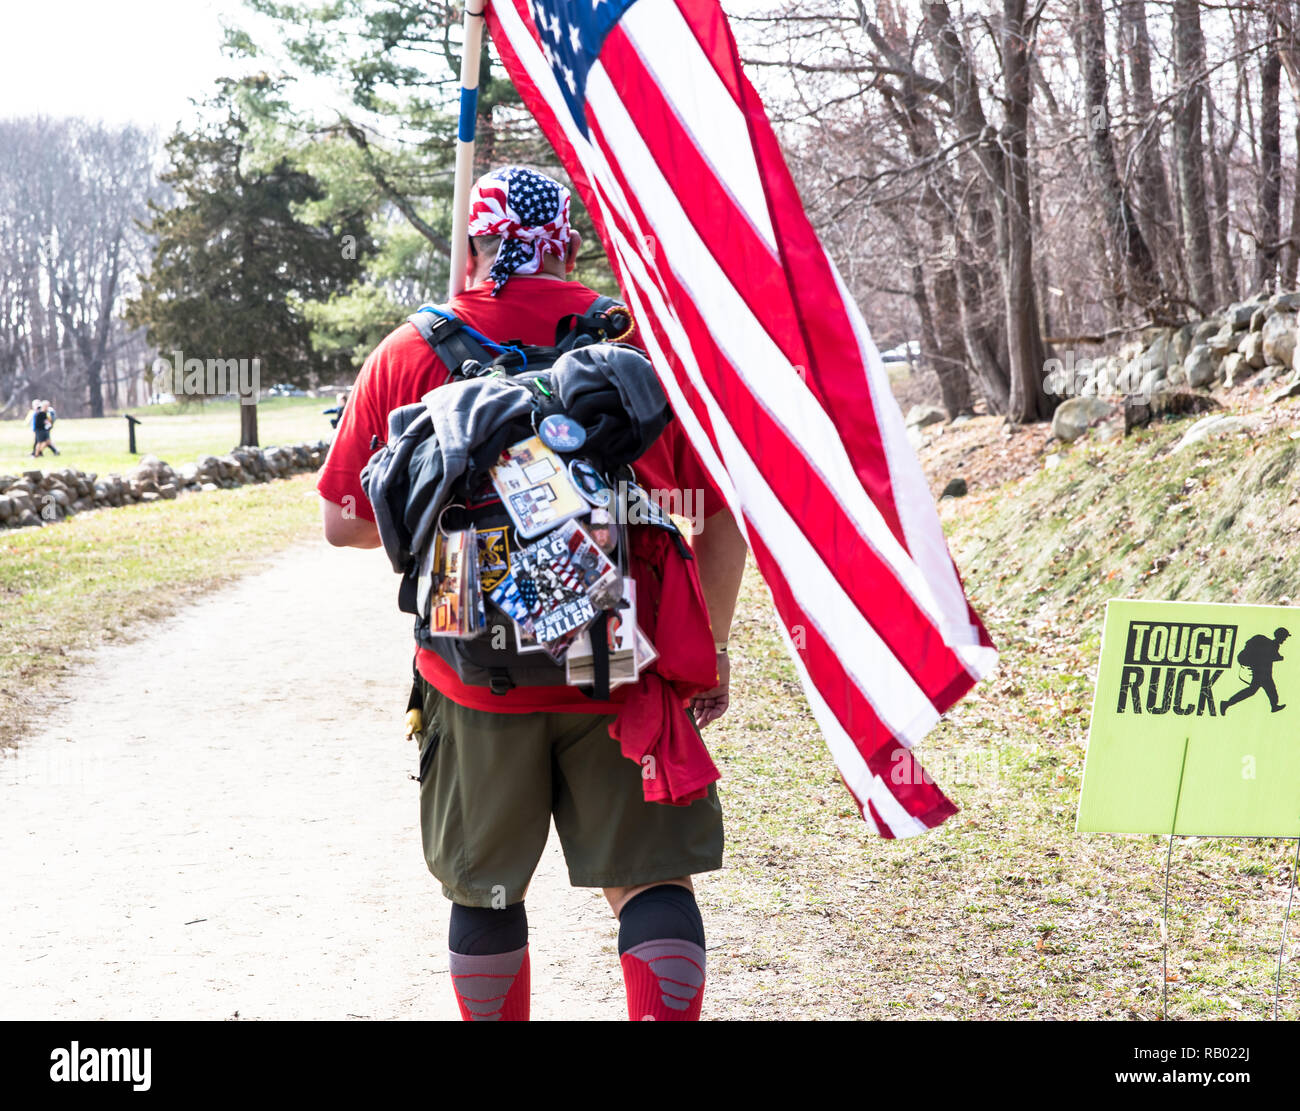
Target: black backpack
492	659
1258	652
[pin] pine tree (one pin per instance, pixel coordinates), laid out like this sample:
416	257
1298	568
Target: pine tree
235	261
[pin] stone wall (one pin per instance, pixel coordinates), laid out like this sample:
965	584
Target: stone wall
1174	371
41	498
1249	339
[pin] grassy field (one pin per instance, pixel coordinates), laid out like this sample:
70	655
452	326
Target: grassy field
109	573
176	434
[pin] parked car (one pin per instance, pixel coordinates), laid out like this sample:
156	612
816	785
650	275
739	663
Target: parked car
906	352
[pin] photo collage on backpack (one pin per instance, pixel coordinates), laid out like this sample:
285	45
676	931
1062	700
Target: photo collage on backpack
551	573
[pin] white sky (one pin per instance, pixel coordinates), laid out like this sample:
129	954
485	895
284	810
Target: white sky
128	61
137	61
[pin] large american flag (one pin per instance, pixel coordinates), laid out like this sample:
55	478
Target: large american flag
769	367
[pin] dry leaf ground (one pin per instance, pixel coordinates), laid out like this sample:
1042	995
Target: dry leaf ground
1005	911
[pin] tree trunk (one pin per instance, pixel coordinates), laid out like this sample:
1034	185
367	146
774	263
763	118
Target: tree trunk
1189	65
1268	219
982	319
982	338
1153	201
1029	400
940	314
1292	254
1226	276
981	282
111	383
95	387
929	342
949	361
248	421
1135	268
1043	259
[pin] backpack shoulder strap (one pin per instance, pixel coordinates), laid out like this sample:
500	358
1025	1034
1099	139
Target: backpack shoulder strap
451	341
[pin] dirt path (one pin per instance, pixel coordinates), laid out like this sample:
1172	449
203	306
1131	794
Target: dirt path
221	822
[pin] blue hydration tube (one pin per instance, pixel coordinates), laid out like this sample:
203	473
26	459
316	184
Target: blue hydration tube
474	333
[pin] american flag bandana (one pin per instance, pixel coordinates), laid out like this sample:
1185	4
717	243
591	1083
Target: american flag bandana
530	212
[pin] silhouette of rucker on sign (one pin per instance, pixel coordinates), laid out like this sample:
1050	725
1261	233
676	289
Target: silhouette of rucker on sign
1170	674
1258	657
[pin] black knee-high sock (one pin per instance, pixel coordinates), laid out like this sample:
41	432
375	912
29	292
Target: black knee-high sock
489	962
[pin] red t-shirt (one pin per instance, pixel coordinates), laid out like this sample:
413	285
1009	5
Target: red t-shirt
403	368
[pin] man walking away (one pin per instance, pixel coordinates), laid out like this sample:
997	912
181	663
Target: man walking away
495	768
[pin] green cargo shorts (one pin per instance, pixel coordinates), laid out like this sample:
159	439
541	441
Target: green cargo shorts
490	783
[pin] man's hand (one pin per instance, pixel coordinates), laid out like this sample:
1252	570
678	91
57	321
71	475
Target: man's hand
711	705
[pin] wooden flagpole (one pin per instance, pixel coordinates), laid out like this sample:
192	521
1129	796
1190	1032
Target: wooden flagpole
469	67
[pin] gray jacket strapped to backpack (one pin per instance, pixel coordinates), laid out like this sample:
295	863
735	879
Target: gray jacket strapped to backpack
442	447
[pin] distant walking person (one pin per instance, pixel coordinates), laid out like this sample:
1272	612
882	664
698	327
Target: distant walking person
43	422
1259	656
336	414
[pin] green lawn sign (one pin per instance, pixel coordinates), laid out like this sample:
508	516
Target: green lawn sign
1205	695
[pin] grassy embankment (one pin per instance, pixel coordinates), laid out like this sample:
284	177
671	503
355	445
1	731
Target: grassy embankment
1005	911
68	587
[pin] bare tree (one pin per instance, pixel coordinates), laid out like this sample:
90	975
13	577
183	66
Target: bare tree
1029	400
1268	220
71	196
1140	280
1153	200
1189	61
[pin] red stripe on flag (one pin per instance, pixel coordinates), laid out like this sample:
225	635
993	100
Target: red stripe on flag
877	745
881	824
740	250
911	785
